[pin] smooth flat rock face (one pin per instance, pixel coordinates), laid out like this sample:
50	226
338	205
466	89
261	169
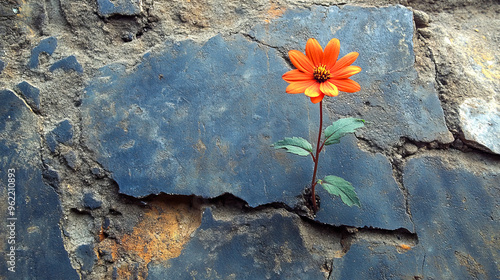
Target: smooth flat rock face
34	232
456	215
266	248
199	117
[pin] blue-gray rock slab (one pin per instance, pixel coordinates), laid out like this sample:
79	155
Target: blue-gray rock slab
382	201
199	118
263	248
119	7
378	261
62	133
67	64
455	210
35	237
392	99
30	93
87	257
47	45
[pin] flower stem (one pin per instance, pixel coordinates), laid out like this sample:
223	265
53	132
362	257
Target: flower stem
316	159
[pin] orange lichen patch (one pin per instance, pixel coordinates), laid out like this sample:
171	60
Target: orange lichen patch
405	247
102	236
274	11
161	234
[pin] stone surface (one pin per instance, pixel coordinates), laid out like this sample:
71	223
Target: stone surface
62	133
372	177
265	248
87	256
159	119
393	101
119	7
31	94
47	45
90	202
456	215
38	248
66	64
467	65
141	111
480	123
379	261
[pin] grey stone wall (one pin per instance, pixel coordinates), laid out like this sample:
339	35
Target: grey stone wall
135	141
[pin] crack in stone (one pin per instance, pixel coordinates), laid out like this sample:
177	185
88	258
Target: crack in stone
280	50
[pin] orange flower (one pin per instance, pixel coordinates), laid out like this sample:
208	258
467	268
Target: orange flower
319	73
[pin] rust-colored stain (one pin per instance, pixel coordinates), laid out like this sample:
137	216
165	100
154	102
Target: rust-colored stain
273	12
405	247
165	228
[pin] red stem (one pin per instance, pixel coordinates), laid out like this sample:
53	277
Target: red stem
316	159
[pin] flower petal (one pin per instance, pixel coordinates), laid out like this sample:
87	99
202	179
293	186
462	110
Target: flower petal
331	53
346	72
299	86
297	75
346	85
329	89
314	52
317	99
347	60
301	61
313	90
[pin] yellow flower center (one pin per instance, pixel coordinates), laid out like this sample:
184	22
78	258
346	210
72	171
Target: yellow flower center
321	74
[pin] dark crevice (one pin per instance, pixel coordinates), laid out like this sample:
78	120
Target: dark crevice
238	206
281	50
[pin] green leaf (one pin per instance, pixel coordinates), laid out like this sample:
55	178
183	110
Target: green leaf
338	186
340	128
294	145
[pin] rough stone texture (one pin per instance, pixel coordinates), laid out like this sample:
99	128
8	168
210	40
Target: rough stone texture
383	37
455	211
480	122
31	95
34	232
66	64
375	186
429	200
264	248
467	64
62	133
379	261
47	46
165	154
120	7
